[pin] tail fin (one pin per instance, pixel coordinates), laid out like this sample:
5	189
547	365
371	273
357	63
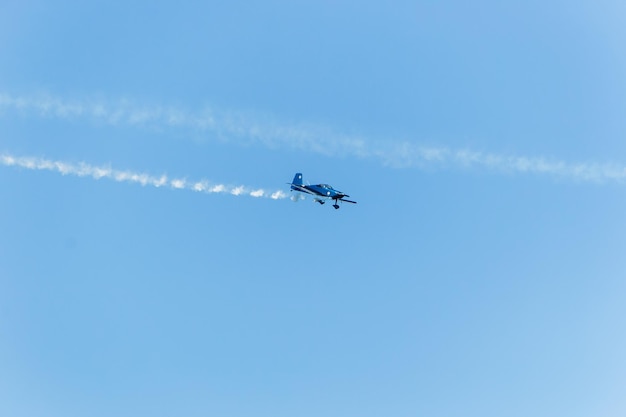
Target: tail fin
297	180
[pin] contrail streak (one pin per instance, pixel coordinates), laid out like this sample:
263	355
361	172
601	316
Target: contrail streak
82	169
411	155
241	128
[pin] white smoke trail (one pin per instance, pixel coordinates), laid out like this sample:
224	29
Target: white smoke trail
242	128
122	112
411	155
82	169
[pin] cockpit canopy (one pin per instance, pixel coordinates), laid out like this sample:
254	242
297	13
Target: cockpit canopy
326	186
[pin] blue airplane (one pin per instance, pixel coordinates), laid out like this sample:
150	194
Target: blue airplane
321	192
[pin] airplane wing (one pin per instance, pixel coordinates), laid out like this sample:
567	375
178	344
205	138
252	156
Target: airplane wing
347	201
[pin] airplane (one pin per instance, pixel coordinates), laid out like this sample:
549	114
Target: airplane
321	192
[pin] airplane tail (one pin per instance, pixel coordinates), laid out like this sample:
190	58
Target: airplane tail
297	180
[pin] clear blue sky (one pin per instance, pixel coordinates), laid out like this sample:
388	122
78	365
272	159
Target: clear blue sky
482	272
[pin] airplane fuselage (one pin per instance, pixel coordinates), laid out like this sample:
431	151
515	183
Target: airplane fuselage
320	192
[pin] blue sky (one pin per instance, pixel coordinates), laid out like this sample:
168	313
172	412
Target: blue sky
151	262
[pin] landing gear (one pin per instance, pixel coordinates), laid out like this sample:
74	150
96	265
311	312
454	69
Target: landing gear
336	206
320	201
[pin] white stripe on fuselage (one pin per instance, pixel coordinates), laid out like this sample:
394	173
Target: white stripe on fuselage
306	190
